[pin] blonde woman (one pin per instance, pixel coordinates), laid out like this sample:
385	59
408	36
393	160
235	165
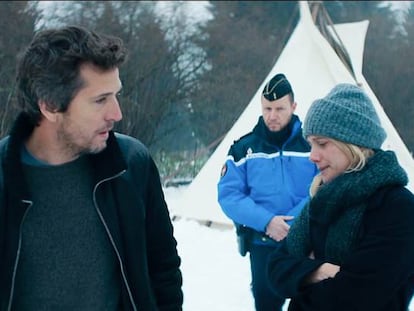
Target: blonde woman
352	247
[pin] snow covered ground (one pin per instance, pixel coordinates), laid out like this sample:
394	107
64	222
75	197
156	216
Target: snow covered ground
215	276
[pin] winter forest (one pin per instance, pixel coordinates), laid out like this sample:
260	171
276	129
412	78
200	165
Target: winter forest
194	65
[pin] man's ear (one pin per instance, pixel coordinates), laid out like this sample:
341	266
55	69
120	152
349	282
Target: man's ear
294	106
47	113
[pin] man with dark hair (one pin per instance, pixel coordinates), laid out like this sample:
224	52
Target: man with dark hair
265	182
83	220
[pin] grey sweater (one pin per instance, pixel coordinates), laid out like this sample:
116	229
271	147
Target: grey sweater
66	260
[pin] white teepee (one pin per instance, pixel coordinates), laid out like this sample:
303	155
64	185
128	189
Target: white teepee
313	68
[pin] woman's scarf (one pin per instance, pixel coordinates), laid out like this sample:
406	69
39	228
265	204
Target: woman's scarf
340	205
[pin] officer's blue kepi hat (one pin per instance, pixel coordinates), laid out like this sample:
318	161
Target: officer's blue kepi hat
277	87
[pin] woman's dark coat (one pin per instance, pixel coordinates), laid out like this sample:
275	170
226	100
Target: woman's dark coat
377	274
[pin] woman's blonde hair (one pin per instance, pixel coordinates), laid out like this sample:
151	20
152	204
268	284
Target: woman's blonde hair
358	158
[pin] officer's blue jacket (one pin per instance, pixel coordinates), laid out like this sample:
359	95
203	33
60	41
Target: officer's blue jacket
259	180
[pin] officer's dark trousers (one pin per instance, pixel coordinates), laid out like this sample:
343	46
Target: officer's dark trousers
264	298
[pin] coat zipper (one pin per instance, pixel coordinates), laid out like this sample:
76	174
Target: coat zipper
106	229
110	236
30	203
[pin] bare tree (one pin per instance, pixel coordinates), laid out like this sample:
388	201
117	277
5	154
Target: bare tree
17	24
160	69
400	92
184	87
242	44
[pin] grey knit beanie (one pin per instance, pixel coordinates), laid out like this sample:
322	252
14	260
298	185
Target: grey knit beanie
346	114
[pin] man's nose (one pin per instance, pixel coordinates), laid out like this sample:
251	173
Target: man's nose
115	113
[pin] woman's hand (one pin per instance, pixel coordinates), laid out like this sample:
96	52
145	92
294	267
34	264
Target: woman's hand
325	271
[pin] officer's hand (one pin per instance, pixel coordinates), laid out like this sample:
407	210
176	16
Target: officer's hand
277	228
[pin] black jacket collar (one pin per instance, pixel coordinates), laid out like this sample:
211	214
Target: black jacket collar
277	138
107	163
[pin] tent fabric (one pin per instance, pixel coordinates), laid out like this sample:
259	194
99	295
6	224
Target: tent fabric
313	68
